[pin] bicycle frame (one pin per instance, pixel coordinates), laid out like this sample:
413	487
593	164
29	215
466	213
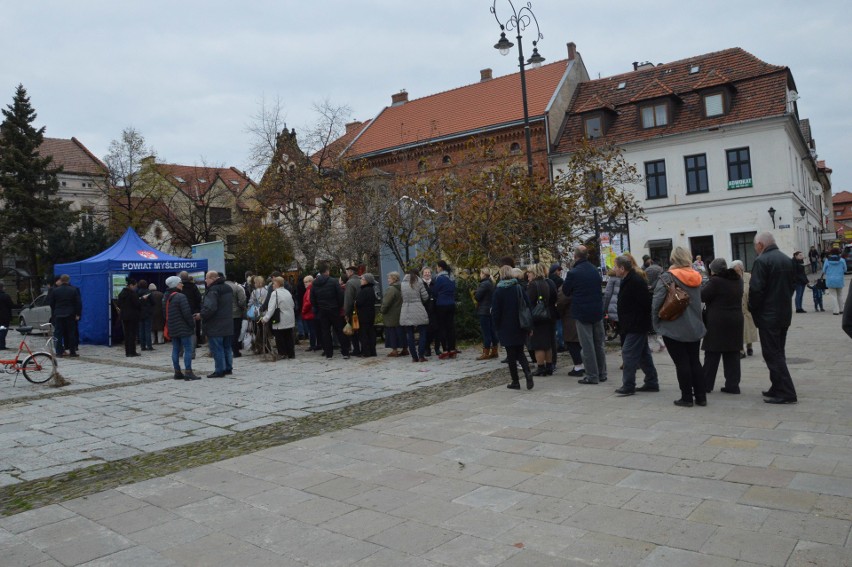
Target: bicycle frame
13	365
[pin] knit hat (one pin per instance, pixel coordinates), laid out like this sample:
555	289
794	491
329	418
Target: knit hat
152	287
717	265
368	277
173	281
554	268
646	257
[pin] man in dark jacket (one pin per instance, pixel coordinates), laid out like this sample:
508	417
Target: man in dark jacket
634	323
146	314
216	313
181	327
583	284
847	314
5	315
66	307
353	284
327	301
769	301
129	304
652	271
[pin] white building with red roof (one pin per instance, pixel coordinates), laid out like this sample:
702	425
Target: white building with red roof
722	149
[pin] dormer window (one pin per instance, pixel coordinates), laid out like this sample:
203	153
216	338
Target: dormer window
714	105
593	126
654	115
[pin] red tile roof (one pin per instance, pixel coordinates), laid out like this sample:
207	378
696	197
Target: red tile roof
72	155
842	197
758	90
334	149
194	181
465	109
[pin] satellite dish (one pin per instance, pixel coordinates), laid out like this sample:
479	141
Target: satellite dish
825	211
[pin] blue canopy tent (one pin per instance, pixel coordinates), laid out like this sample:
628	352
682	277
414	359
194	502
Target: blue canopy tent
94	277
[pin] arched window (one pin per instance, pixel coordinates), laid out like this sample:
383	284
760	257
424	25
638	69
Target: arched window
421	165
447	160
515	148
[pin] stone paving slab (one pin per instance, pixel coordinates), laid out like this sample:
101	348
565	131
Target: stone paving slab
116	409
560	475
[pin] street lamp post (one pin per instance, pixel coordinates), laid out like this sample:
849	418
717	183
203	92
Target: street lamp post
519	20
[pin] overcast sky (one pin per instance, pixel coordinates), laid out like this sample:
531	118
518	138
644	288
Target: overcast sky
190	75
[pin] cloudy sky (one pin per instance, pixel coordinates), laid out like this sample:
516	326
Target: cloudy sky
190	75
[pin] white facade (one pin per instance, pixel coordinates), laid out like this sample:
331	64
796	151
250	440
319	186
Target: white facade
717	223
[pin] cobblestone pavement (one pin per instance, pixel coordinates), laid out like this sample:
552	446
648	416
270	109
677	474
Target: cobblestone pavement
115	409
560	475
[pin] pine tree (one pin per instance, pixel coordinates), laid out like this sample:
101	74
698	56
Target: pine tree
29	206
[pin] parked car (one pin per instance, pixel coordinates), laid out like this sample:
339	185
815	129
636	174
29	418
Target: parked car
847	255
36	314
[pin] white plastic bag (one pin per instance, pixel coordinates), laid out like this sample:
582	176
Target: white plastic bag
248	339
243	329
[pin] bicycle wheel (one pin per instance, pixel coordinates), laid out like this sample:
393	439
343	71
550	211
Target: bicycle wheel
39	367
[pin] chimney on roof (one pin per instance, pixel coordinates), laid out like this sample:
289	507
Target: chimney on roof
399	98
485	75
572	50
637	65
353	125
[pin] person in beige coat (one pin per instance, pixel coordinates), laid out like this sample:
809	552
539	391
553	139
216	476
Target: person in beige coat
749	329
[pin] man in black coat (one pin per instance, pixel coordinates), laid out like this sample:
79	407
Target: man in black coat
66	307
216	313
5	315
327	301
634	323
769	300
129	305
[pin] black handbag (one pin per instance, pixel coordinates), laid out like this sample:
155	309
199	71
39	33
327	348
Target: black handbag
540	311
525	319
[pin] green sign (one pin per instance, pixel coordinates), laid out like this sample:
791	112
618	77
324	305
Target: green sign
119	282
739	183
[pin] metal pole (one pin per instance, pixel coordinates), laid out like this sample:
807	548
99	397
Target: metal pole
627	228
527	134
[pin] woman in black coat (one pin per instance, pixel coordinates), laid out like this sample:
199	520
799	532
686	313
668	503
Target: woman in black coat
505	306
483	295
543	332
722	295
365	305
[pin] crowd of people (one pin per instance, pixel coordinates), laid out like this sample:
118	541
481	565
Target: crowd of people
533	313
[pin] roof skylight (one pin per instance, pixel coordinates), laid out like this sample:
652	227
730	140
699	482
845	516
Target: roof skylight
694	69
621	85
180	179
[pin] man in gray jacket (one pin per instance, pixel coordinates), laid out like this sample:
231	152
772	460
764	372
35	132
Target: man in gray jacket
353	285
216	313
238	312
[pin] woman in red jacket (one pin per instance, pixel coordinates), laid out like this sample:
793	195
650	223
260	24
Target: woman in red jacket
308	316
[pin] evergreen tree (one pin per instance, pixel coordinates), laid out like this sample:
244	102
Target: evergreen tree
31	208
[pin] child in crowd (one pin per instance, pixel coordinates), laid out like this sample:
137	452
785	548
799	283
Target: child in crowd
818	288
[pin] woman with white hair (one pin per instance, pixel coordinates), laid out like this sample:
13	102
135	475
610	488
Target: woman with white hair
683	334
750	335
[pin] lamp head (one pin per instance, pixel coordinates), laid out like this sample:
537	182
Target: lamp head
535	60
802	211
504	45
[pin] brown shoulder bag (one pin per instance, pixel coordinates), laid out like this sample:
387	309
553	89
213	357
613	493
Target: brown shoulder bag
676	302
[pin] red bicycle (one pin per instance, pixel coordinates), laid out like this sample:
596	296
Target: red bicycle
37	367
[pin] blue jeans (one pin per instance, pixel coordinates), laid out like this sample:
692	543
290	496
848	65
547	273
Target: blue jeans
221	353
800	291
489	334
592	339
636	354
419	352
182	344
145	333
228	346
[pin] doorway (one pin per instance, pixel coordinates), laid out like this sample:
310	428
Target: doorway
702	246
